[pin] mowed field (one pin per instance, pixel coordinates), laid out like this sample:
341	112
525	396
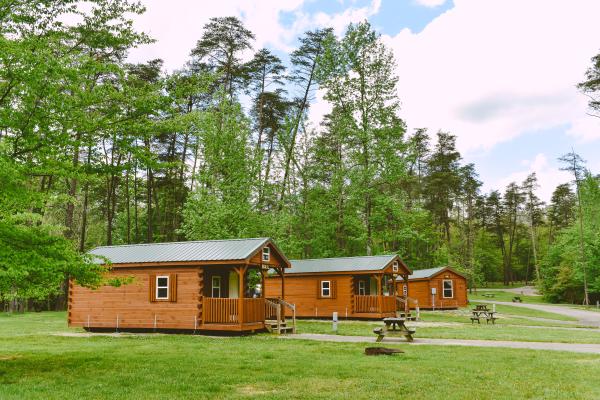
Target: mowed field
37	363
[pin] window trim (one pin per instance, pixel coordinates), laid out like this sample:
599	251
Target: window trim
328	288
396	266
363	288
266	254
405	290
168	287
213	286
444	289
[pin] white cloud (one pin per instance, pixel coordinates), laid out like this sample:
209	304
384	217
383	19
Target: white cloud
549	176
430	3
490	70
178	24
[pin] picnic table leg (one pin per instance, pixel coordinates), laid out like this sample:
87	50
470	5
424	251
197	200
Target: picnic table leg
409	337
379	338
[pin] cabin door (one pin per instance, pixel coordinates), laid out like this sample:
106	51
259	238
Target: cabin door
372	286
234	285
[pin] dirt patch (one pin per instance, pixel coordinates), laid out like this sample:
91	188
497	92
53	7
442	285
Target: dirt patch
251	390
9	358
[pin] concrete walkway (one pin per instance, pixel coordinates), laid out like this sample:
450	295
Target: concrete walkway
572	347
588	318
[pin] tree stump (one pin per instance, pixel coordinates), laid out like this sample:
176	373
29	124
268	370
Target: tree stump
376	351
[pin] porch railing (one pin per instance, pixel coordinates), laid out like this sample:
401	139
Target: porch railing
226	311
370	304
220	311
254	310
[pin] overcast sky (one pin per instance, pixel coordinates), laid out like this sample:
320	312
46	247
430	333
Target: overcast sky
499	74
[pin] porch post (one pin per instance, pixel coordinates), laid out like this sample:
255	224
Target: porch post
242	273
378	277
406	306
262	284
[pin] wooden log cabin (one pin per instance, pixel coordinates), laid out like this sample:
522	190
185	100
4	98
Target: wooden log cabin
436	288
196	285
354	287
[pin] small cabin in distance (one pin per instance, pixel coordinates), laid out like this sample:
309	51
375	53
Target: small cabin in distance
354	287
436	288
196	285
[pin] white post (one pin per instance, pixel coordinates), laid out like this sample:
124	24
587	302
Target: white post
88	322
335	321
154	322
195	323
418	313
346	312
117	322
494	307
597	303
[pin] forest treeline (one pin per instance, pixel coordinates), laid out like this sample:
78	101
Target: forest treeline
98	151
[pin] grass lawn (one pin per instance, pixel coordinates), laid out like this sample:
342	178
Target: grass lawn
36	365
504	296
526	312
461	331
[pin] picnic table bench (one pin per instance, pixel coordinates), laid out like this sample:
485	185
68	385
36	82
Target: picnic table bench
483	313
394	327
490	295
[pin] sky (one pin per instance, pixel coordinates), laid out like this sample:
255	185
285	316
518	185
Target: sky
499	74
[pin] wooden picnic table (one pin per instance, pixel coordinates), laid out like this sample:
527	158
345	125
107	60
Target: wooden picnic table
489	294
487	314
394	327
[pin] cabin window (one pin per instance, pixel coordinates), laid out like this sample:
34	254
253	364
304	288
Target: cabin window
362	288
448	289
266	254
404	290
325	288
162	288
395	266
216	286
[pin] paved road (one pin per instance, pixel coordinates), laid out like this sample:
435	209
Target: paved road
572	347
590	318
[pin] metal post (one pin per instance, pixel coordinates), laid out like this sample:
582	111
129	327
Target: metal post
117	322
335	321
346	312
418	313
195	323
154	322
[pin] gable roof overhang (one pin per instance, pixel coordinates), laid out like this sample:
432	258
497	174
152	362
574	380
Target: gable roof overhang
346	265
192	253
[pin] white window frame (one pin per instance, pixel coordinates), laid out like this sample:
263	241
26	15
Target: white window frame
215	278
323	288
451	289
362	288
405	290
395	266
266	254
162	287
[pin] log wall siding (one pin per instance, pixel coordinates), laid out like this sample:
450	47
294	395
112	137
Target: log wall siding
420	290
302	291
130	304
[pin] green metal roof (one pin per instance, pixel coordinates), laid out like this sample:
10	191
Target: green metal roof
427	273
340	264
203	250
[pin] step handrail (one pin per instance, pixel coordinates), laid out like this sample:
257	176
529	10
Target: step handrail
293	308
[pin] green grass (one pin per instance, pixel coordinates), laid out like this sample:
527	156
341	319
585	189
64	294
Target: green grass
505	296
527	312
461	331
36	365
501	285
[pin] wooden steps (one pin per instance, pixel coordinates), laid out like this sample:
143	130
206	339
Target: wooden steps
281	329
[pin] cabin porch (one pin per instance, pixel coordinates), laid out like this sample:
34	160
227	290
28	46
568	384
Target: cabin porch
375	296
233	299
